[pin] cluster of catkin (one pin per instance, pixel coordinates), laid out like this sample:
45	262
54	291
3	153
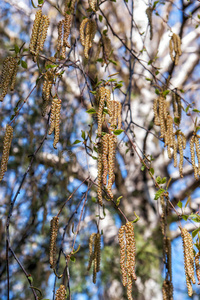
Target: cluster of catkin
8	76
47	85
107	144
197	266
39	33
95	253
188	259
127	256
175	48
6	149
61	293
149	12
194	143
88	29
53	237
106	164
55	120
173	140
64	27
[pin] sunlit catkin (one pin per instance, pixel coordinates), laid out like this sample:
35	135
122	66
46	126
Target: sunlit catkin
175	48
88	29
121	237
196	142
6	149
149	12
39	33
61	293
188	259
181	145
102	97
93	5
155	110
192	152
53	237
55	120
105	142
127	256
111	163
99	174
91	253
8	76
177	108
197	266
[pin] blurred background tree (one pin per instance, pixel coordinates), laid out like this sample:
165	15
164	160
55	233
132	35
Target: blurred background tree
130	55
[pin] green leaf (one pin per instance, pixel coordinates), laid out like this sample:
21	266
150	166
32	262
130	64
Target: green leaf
113	62
23	64
180	204
158	180
16	49
185	217
186	110
83	134
152	171
105	111
91	111
76	142
148	79
100	18
94	199
40	2
99	59
118	200
72	258
166	92
118	131
93	92
118	86
194	233
188	201
94	157
158	194
157	91
112	80
155	3
176	120
50	66
196	110
142	168
25	49
30	278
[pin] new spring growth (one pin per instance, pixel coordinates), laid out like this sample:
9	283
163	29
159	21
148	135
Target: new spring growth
95	253
55	120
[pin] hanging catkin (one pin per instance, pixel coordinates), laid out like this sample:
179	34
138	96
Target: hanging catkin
55	120
6	149
188	259
175	48
95	253
8	76
88	29
99	174
39	33
93	4
53	237
127	256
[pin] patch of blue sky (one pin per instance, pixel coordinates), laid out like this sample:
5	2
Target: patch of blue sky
122	166
176	14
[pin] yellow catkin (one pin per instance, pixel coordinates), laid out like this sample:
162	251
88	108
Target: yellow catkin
107	48
105	141
67	27
181	145
192	152
88	29
53	237
111	163
197	266
162	116
188	259
155	110
175	150
119	111
175	48
99	174
177	108
127	256
91	254
6	149
93	5
60	35
61	293
196	142
8	76
39	33
95	253
169	135
122	254
55	120
102	95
